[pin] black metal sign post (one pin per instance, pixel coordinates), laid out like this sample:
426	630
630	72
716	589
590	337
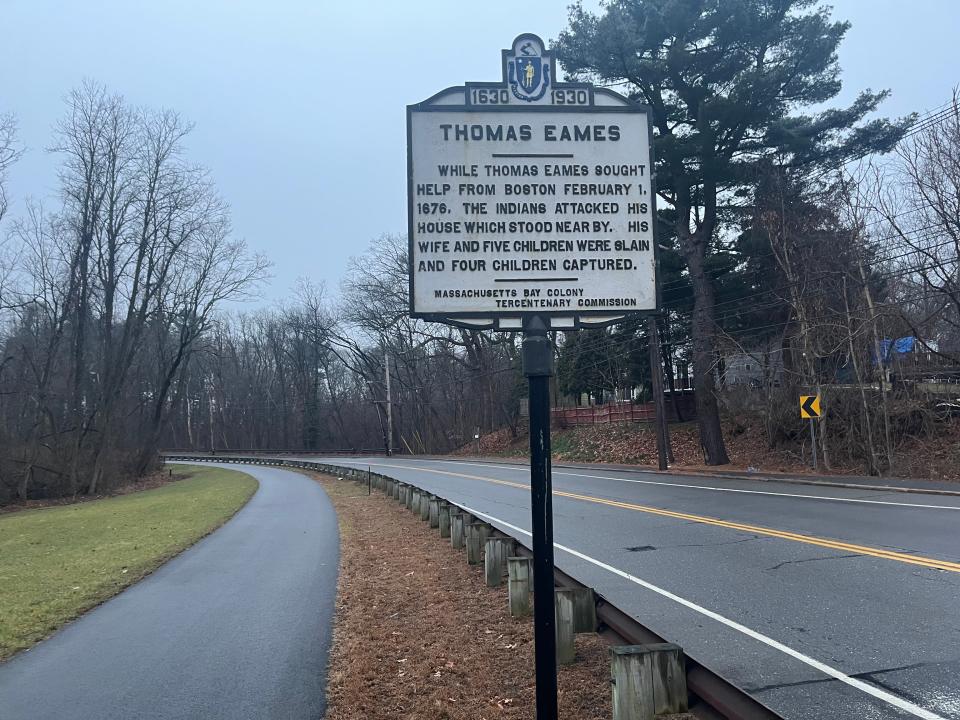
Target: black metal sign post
538	367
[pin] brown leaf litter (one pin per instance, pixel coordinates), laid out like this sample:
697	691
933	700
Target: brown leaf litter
419	634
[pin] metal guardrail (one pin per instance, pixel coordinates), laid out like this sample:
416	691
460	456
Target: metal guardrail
170	452
711	696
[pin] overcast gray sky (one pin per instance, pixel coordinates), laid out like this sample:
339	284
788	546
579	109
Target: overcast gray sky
299	104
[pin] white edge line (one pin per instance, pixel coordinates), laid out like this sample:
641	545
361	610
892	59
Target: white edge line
711	487
877	693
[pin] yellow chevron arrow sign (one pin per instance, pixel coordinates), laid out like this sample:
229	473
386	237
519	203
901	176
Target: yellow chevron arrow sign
810	406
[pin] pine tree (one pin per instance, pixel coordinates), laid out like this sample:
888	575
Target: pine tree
726	82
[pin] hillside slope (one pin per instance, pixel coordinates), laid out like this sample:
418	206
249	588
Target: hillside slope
935	458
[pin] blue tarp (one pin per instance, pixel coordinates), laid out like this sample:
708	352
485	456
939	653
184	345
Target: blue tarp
900	346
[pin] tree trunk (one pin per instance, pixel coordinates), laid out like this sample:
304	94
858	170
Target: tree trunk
23	487
667	358
873	467
824	447
881	374
704	385
101	451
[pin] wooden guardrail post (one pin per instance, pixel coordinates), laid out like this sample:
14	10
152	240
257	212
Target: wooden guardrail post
425	499
647	681
413	499
434	512
495	560
443	519
485	532
474	543
563	603
458	530
584	610
519	577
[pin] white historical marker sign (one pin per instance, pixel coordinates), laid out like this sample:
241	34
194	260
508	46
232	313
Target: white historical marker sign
530	197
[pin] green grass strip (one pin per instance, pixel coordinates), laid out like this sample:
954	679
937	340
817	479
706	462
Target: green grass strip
56	563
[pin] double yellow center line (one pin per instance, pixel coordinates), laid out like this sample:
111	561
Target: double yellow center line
743	527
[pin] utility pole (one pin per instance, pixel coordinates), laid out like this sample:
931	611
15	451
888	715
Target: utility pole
386	370
210	407
656	383
193	445
538	367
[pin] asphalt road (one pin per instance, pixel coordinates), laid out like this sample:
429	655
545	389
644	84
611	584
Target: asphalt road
825	603
236	627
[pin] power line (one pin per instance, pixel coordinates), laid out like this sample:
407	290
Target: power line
932	118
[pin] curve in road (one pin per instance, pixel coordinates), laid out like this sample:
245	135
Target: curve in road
236	627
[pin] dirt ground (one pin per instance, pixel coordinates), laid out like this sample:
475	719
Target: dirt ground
420	635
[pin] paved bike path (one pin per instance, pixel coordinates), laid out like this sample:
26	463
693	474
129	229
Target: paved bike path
238	626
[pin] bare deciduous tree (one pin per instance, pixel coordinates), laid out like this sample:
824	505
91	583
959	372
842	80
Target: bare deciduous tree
9	154
919	201
138	255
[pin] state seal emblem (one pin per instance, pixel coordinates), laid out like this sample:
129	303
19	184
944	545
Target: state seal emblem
528	69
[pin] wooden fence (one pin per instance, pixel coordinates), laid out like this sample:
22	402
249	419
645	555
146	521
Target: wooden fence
602	414
625	412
